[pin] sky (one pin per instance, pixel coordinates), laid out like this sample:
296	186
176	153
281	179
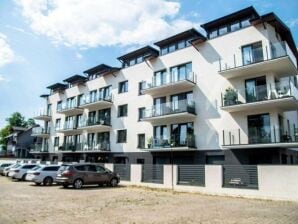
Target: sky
45	41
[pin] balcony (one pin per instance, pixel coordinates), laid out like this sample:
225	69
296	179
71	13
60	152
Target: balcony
69	108
98	125
182	110
96	102
69	128
266	137
283	96
277	58
85	147
39	148
43	114
41	132
173	143
170	83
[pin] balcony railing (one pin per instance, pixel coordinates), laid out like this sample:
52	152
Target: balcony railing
170	78
174	141
43	113
264	135
96	121
39	148
169	108
68	105
266	53
87	99
41	131
281	90
100	146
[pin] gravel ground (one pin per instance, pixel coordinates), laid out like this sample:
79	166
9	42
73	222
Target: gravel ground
23	202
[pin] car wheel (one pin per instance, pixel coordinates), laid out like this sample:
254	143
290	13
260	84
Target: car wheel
48	181
113	182
65	185
24	177
78	184
38	184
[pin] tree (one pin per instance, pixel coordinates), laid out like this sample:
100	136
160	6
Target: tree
4	132
16	119
30	122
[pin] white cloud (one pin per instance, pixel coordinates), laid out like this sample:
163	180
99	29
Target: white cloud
6	53
78	55
292	23
91	23
3	79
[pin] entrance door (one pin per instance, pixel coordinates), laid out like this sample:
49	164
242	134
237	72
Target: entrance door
259	129
256	89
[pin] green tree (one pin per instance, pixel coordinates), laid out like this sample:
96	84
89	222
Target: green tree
16	119
4	132
30	122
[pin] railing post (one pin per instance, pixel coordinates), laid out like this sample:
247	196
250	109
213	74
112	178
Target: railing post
266	48
221	99
234	61
219	64
274	134
223	137
290	86
239	136
230	138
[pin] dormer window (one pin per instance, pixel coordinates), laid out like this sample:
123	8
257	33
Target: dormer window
213	34
245	23
235	26
223	30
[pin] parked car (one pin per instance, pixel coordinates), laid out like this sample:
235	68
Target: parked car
20	172
86	174
45	175
3	166
7	169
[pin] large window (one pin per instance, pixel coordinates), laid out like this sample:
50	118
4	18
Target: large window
141	141
252	53
59	105
122	110
121	136
181	72
160	78
259	130
141	87
141	112
56	141
58	124
175	46
182	134
256	89
123	87
105	93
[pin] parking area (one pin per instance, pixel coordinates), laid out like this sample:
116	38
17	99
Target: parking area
23	202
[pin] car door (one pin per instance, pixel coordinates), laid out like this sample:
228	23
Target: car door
102	176
91	174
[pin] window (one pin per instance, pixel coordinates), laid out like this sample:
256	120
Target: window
213	34
164	50
79	120
57	124
252	53
245	23
172	48
223	30
80	99
59	105
123	87
91	168
105	93
49	107
122	110
100	169
132	62
121	136
56	141
141	87
181	44
235	26
141	112
51	168
80	168
181	72
141	141
140	59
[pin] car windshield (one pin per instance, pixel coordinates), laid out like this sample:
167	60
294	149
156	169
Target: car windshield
36	168
63	168
16	165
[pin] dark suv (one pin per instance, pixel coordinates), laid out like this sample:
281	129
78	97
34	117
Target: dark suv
85	174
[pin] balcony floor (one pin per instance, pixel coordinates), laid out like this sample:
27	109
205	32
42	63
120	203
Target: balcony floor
184	116
97	128
42	117
84	151
70	112
263	145
282	66
179	86
97	105
285	104
41	135
69	131
170	149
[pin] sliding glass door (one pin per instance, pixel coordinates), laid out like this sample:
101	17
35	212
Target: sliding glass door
259	130
252	53
256	89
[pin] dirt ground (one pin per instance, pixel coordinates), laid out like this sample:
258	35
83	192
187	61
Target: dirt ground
23	202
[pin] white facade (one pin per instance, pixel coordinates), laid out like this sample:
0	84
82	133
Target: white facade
211	119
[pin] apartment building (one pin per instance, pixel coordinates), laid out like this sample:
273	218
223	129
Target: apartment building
229	96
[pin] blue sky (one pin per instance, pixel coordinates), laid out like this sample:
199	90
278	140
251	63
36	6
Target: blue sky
43	42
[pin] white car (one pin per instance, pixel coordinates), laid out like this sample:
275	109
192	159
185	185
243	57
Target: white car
45	175
3	166
20	172
7	169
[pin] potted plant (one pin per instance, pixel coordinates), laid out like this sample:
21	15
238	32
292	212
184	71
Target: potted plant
149	142
230	97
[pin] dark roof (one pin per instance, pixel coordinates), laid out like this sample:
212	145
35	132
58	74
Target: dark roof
280	28
101	69
146	52
57	86
44	95
241	14
76	79
188	34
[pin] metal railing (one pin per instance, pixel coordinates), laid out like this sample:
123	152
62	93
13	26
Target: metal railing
41	130
87	99
91	121
170	78
68	105
43	112
168	108
264	135
240	176
191	175
39	148
264	53
123	170
101	146
152	174
281	90
172	141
